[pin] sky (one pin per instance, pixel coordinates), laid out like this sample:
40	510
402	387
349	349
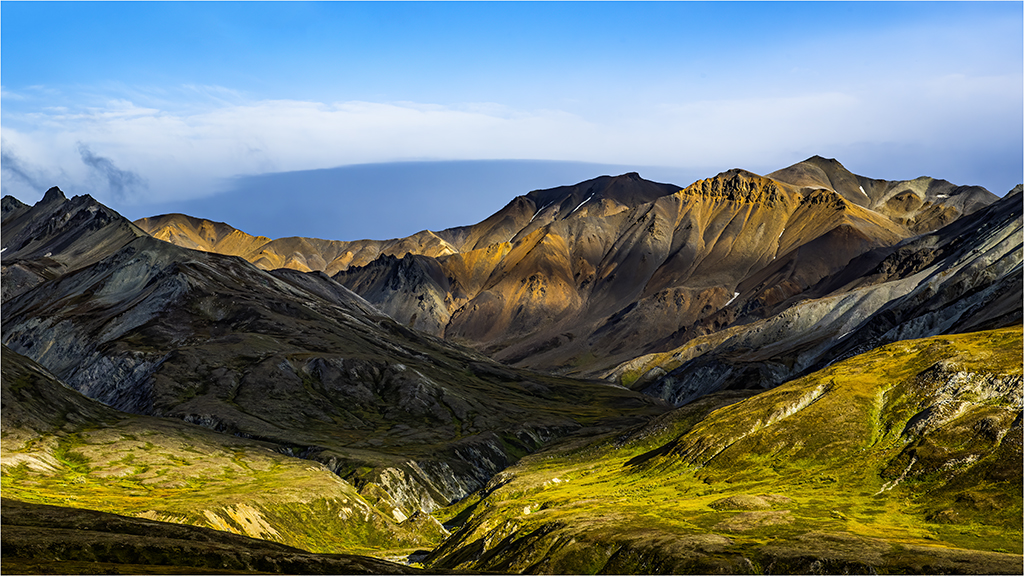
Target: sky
457	107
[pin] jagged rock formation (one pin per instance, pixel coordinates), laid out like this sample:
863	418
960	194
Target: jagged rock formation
961	278
55	236
906	459
579	278
290	358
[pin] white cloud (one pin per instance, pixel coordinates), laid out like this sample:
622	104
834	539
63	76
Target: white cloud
186	152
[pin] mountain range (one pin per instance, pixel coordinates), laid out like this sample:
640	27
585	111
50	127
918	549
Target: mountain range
578	279
419	399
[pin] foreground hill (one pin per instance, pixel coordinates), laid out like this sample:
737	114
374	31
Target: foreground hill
906	459
41	539
61	447
577	279
291	359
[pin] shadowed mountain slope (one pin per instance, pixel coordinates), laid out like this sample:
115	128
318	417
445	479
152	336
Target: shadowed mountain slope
299	361
906	459
55	236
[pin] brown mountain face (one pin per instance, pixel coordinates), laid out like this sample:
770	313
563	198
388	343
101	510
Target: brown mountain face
579	278
961	278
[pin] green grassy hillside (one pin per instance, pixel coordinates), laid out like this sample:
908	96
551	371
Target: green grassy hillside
903	459
63	449
41	539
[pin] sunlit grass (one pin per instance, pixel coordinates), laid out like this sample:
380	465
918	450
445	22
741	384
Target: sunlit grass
831	457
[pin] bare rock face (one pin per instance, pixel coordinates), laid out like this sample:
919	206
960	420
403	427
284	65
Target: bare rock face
738	186
413	287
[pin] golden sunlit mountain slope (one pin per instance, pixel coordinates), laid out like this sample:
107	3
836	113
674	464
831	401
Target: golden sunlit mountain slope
961	278
297	253
576	292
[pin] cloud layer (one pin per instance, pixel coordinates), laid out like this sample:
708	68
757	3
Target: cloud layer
133	153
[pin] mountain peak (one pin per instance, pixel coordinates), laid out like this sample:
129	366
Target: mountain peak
629	189
819	158
52	195
738	185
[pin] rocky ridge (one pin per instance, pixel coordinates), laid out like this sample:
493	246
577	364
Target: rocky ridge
56	236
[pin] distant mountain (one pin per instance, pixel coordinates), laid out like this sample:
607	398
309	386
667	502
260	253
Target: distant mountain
302	254
292	359
581	284
921	204
579	278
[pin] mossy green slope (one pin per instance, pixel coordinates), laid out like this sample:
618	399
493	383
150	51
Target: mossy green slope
62	448
903	459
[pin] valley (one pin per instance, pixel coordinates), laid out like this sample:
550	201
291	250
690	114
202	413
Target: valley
808	371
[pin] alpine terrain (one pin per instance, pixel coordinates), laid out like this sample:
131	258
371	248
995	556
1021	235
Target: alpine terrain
808	371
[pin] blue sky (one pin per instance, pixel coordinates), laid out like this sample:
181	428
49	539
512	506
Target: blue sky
145	105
